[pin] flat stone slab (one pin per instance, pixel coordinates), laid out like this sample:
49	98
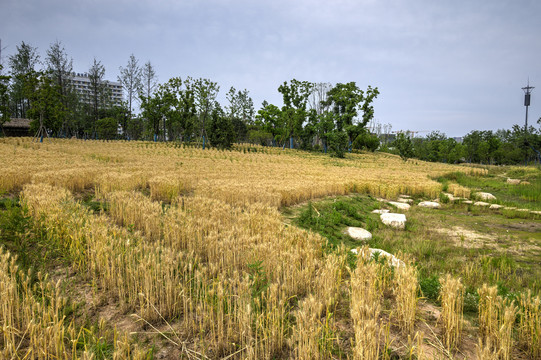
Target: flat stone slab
485	196
400	205
536	212
467	202
397	221
481	203
405	201
404	196
513	181
396	262
380	211
359	233
430	204
495	207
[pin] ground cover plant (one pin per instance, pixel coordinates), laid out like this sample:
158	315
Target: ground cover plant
150	250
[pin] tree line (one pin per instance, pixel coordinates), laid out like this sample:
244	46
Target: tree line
313	115
502	147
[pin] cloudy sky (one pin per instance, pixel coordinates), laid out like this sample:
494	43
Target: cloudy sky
446	65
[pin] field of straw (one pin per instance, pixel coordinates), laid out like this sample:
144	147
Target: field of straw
165	251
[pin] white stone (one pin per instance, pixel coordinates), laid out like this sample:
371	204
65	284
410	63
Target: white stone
430	204
481	203
451	197
509	208
400	205
495	206
467	202
524	183
397	221
485	196
513	181
404	196
405	201
359	233
380	211
536	212
396	262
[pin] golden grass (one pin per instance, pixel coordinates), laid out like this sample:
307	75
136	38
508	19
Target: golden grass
270	176
366	307
452	302
405	290
195	238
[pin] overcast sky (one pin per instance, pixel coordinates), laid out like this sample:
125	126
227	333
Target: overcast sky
453	66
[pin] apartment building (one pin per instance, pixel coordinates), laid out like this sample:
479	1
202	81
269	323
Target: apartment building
81	84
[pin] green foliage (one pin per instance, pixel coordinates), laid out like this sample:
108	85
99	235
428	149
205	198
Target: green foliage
220	129
366	141
4	98
337	143
430	287
107	128
258	277
404	146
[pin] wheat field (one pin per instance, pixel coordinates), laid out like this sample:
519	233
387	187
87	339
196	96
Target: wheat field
191	258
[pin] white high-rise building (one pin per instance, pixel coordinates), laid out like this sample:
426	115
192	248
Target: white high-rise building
81	84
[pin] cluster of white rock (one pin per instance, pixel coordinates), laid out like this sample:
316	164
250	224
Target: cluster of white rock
398	221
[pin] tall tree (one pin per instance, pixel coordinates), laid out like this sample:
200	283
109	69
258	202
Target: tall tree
346	101
4	99
46	107
130	78
149	80
295	96
99	94
269	117
21	64
220	129
60	68
179	103
205	92
240	111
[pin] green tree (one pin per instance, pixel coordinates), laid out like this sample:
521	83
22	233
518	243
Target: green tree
22	67
404	146
59	67
4	99
99	95
346	100
366	141
338	143
180	110
220	129
153	110
107	128
294	112
205	92
270	119
240	111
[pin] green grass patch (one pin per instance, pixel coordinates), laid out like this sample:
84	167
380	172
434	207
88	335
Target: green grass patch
523	195
477	244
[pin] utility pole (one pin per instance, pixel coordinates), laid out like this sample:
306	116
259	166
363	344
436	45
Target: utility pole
527	91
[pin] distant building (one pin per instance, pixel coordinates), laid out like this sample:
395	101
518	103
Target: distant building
81	84
17	127
459	139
